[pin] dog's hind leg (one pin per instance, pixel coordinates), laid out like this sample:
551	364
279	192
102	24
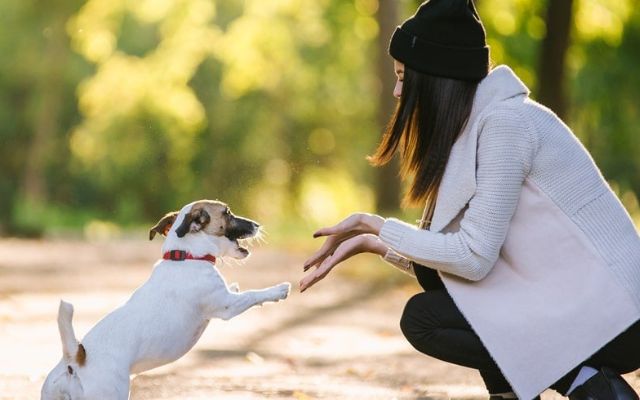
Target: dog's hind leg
233	304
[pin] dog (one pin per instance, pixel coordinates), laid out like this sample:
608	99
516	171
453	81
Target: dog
166	316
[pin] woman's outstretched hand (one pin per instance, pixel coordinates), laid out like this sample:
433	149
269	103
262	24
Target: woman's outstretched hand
354	235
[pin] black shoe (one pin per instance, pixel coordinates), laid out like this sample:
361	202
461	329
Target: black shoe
605	385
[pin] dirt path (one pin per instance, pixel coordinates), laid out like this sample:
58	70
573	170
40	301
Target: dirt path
338	341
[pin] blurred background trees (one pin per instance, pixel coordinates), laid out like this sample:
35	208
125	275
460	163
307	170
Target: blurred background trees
113	112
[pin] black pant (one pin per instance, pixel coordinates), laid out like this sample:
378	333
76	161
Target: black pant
434	325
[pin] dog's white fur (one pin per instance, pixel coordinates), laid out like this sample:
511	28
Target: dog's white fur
161	321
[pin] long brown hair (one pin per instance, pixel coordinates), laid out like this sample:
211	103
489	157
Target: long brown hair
431	114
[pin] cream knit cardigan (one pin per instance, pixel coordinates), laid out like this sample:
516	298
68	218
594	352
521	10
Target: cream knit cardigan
534	247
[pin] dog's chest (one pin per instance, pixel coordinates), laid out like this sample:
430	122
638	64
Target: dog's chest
170	303
189	279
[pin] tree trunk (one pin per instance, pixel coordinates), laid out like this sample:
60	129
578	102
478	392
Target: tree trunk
49	94
552	90
387	187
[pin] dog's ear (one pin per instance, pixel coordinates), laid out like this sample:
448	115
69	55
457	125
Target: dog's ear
163	226
195	221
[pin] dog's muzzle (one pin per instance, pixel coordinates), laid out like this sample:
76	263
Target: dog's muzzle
241	228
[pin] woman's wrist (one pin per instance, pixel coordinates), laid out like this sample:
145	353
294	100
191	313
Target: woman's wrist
373	223
381	248
374	244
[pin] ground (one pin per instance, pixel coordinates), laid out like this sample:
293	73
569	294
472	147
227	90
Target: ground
339	340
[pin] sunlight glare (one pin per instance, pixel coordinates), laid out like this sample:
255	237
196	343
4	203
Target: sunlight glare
366	28
329	195
322	141
150	11
602	19
505	22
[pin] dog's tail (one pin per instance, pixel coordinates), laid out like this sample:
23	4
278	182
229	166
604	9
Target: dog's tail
72	350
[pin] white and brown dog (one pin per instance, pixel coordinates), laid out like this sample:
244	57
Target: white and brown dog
166	316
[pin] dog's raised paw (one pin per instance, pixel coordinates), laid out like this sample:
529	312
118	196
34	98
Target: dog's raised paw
282	290
234	287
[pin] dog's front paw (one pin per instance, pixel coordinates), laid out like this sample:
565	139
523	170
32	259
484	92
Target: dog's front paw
234	287
282	291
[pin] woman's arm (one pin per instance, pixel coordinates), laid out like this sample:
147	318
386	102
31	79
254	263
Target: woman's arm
504	157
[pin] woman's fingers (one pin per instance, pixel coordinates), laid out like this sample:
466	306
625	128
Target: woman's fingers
345	239
322	232
358	222
313	277
345	226
345	250
331	230
326	250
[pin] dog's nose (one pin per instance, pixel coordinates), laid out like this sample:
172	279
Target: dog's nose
242	228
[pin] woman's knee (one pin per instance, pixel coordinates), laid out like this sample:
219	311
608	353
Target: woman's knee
415	323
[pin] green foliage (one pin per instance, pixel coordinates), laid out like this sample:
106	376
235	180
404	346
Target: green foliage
606	109
38	76
117	110
515	29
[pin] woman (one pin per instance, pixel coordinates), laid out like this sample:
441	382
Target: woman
530	265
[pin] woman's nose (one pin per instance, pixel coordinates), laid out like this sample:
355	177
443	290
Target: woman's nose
397	90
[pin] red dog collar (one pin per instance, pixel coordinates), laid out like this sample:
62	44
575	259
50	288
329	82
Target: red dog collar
181	255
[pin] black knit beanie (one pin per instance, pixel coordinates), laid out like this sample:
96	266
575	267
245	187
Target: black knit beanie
444	38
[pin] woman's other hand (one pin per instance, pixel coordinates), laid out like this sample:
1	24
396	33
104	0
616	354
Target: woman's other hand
353	225
365	243
355	234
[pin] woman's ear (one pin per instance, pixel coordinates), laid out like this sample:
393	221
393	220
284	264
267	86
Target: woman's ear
163	226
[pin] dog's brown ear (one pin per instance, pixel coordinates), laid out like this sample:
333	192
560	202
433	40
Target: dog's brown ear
195	221
163	226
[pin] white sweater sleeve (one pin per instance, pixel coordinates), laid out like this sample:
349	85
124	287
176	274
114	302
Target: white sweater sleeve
504	155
